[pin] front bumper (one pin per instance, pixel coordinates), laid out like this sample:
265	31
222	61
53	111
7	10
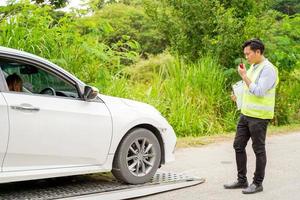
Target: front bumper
169	139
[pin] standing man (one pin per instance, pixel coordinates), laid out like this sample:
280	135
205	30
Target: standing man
257	109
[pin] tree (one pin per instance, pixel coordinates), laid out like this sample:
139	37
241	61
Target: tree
96	4
243	8
117	21
55	3
289	7
195	28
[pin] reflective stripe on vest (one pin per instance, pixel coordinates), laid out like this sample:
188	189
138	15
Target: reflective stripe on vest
259	106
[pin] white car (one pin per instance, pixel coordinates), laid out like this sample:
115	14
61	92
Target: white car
59	126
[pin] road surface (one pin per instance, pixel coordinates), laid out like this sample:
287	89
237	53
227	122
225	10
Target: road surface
216	163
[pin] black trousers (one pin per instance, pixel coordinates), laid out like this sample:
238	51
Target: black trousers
254	128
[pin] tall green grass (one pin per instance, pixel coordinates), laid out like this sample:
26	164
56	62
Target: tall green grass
194	97
191	96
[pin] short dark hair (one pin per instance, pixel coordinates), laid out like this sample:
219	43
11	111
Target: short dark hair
255	44
12	80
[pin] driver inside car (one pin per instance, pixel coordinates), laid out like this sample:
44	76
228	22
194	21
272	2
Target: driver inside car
14	83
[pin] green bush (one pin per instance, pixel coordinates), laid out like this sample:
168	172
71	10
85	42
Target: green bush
33	29
197	27
287	101
130	21
289	7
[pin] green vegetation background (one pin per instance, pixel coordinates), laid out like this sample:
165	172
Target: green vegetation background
177	55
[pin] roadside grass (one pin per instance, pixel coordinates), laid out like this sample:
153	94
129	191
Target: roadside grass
191	96
185	142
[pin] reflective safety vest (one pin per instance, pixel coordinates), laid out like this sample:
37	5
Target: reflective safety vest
261	107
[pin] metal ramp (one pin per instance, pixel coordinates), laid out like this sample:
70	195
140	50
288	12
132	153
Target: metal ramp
94	186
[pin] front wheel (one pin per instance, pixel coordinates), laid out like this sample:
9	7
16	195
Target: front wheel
137	158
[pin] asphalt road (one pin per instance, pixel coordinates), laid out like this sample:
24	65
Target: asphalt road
216	163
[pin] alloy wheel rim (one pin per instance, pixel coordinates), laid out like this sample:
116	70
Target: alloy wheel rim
140	157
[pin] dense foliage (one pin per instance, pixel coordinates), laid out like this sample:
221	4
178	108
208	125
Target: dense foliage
179	56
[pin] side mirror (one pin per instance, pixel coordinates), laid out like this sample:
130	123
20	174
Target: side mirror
90	93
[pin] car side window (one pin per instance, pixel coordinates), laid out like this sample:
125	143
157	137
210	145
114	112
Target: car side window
30	79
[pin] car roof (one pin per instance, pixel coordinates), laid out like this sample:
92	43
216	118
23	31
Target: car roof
24	54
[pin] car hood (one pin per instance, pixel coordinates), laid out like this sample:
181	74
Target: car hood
132	104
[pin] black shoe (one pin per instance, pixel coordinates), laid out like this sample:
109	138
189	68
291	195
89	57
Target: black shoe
253	189
236	185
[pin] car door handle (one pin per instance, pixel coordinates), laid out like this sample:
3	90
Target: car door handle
25	107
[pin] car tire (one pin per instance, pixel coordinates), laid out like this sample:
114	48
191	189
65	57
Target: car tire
137	158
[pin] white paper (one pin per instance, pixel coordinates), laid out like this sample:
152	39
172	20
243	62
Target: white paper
238	89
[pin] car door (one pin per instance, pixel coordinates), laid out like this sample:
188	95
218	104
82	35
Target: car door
4	125
48	131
